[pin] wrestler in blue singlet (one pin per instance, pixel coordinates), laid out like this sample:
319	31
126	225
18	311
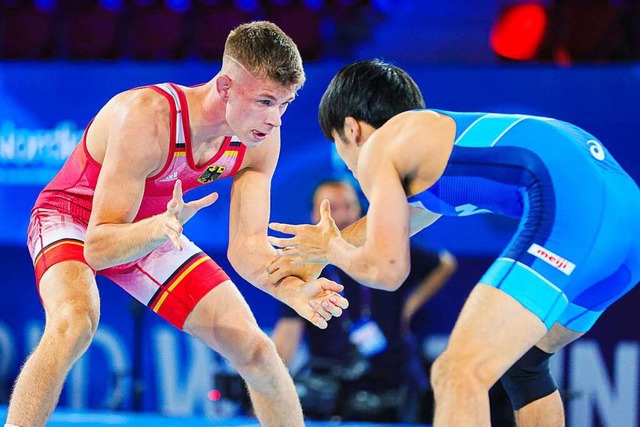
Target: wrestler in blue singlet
577	248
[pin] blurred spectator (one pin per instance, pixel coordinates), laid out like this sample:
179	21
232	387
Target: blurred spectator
353	22
27	29
172	29
301	19
93	29
367	359
214	19
589	30
158	29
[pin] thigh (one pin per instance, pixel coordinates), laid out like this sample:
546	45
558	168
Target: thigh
68	289
64	279
223	321
54	237
492	332
170	282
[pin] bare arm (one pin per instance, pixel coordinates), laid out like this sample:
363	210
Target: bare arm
419	219
355	234
249	251
382	261
136	132
414	144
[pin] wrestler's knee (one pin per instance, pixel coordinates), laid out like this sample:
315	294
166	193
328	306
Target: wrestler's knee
72	325
259	358
259	352
450	370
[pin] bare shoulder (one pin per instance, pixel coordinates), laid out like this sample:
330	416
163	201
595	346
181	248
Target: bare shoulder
426	124
419	144
134	123
133	105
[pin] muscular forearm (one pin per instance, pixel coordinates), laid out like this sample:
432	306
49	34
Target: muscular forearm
250	258
365	266
108	245
356	233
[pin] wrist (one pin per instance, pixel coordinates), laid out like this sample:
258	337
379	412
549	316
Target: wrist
156	230
333	252
282	289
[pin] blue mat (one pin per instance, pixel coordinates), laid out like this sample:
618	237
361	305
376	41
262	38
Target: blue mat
65	417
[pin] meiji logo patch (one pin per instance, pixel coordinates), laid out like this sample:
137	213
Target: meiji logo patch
552	259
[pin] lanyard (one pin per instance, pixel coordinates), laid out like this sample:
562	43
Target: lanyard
365	302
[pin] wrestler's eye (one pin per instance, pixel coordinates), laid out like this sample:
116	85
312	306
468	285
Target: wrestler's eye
266	102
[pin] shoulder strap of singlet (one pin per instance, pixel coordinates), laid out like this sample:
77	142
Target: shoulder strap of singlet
178	102
181	136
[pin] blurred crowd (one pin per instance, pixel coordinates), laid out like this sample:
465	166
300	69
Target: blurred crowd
173	29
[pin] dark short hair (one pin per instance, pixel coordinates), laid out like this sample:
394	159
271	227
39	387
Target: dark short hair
372	91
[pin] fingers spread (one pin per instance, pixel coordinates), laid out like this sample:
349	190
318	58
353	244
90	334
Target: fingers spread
205	201
177	191
281	242
283	228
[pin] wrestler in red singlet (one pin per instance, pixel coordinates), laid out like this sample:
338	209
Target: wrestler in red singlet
162	279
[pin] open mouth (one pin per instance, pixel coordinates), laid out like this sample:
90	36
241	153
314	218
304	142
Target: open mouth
259	136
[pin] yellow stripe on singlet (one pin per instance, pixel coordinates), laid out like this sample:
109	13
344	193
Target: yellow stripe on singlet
231	153
66	242
177	281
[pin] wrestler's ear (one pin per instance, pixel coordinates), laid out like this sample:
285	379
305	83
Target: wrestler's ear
352	129
223	84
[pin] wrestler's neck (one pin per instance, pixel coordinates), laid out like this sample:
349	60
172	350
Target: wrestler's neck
206	117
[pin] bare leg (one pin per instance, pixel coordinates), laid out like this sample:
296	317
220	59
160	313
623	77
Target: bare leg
548	411
223	321
492	332
545	412
70	297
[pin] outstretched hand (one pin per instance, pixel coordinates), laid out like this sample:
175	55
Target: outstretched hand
310	244
317	300
178	213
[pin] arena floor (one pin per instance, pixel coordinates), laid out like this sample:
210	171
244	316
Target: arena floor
65	417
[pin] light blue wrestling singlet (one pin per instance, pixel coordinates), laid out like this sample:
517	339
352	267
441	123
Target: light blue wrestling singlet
577	248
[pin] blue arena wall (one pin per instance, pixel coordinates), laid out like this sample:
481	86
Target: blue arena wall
44	107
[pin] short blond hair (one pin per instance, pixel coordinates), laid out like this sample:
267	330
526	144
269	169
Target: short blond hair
266	52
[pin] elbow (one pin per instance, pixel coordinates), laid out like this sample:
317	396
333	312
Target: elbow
389	277
237	257
92	256
232	256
